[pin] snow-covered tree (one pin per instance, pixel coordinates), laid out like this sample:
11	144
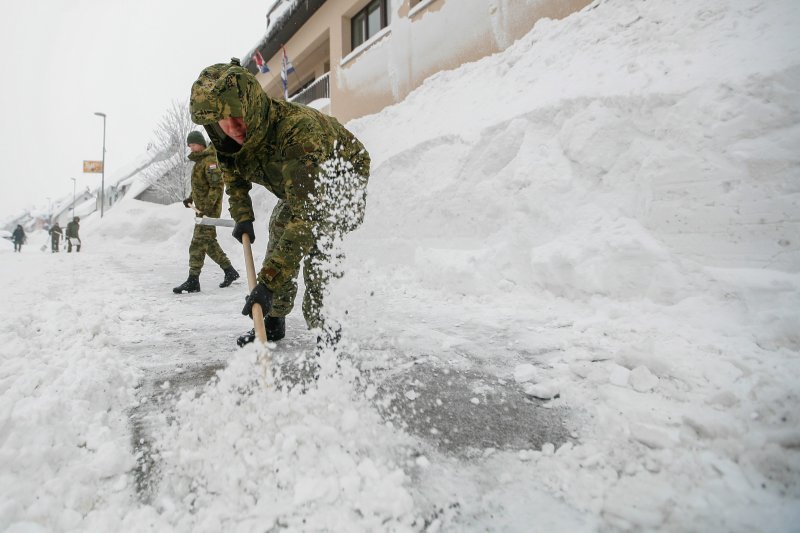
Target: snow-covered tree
170	175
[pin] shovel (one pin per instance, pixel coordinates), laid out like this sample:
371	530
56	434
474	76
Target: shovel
258	313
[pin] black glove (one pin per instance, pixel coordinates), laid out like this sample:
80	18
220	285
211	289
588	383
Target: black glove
188	202
260	295
244	227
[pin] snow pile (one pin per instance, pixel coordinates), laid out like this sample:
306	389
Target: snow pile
64	392
681	117
573	200
319	461
142	223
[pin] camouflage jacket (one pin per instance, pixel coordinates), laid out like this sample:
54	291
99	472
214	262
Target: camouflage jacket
286	150
72	229
207	182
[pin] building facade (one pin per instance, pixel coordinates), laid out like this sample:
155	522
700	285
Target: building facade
355	57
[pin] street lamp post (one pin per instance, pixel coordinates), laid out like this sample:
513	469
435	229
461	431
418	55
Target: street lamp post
73	196
103	175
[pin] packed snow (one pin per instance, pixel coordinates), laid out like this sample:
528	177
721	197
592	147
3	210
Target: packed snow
573	306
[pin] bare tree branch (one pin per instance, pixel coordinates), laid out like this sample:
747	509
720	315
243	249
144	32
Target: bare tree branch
170	175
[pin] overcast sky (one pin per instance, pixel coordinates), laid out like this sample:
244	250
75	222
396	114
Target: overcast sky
62	60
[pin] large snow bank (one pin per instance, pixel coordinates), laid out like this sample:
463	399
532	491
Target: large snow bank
613	199
64	392
680	117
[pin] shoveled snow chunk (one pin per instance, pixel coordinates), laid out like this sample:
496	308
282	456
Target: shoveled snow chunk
543	391
642	379
619	376
652	436
524	373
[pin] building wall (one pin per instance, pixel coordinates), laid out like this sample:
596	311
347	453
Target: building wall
431	36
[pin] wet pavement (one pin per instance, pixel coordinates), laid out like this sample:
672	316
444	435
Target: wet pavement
459	411
455	411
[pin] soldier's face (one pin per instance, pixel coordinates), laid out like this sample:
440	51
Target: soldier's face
234	128
195	148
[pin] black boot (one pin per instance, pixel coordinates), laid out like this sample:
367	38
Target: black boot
276	330
230	276
192	284
276	327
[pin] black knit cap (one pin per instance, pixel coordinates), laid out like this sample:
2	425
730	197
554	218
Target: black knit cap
195	137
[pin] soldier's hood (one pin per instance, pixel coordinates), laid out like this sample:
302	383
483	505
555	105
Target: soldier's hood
226	90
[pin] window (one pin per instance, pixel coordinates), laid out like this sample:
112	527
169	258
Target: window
368	22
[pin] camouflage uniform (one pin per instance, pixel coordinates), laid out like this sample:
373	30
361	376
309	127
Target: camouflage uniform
207	185
315	166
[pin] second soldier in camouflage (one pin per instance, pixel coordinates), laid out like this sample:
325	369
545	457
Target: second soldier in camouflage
207	187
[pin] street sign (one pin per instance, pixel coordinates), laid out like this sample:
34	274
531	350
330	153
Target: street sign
95	167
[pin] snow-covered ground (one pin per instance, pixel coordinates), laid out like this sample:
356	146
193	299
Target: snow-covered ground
607	211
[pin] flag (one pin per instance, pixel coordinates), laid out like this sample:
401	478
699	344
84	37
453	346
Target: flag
262	66
286	69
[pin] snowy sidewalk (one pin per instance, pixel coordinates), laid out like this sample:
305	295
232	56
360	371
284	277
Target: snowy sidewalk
435	430
155	345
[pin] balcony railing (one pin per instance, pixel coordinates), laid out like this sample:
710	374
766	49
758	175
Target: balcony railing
320	88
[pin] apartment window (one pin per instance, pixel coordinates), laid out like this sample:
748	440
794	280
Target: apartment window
369	21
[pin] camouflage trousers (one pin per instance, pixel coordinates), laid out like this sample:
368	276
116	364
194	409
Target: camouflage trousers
339	205
204	242
319	267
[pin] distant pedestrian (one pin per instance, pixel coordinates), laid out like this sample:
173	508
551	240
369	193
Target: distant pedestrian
56	234
18	237
72	235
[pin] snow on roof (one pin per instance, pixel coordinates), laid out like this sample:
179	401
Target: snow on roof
86	208
284	18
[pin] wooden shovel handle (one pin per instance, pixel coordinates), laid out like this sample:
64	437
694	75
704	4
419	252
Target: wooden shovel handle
258	313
